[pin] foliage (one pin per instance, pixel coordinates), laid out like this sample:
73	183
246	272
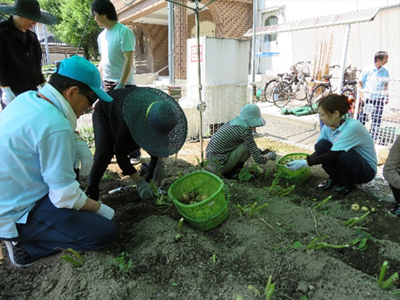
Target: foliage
245	175
269	289
353	221
123	262
73	15
317	244
87	134
276	190
5	2
76	260
251	209
384	285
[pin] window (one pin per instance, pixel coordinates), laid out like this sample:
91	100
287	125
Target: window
272	20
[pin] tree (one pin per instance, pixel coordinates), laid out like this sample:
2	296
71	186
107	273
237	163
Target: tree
5	2
73	17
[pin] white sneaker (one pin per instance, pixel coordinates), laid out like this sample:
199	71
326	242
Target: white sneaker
135	160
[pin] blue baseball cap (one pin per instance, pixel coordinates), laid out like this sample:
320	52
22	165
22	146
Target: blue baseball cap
80	69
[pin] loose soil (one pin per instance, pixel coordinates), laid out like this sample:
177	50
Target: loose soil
233	260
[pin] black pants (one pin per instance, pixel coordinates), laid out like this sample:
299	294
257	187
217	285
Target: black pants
349	167
396	194
106	148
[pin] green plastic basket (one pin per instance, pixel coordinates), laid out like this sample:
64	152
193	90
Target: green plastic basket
209	213
293	177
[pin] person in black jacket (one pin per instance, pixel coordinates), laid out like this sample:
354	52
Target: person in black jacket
20	51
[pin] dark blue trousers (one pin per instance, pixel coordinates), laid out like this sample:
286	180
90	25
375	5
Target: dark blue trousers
49	230
349	167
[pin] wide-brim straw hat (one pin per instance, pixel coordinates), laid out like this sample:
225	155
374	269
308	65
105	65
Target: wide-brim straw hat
29	9
156	121
250	116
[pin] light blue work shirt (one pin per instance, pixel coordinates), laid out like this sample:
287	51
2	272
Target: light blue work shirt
37	153
374	81
351	135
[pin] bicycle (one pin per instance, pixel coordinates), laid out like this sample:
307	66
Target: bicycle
350	88
295	87
321	90
324	89
270	85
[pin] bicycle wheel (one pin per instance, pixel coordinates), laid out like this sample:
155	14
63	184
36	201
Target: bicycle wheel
269	87
281	94
349	93
320	91
301	91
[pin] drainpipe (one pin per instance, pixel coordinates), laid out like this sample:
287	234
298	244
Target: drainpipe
171	44
344	55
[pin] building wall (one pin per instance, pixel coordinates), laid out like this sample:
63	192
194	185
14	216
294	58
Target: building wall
232	19
382	33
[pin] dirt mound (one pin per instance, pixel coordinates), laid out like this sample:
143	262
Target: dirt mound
148	261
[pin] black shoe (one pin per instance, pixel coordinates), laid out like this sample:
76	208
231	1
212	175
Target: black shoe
18	256
344	189
93	192
327	184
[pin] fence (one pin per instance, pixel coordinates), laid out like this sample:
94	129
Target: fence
380	113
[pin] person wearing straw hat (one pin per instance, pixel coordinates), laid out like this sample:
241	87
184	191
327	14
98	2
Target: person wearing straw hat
20	51
42	206
138	117
233	144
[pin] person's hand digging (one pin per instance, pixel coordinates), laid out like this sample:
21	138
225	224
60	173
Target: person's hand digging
145	190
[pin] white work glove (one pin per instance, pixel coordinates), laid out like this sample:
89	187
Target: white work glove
105	211
83	158
159	172
119	86
144	189
271	155
296	164
7	95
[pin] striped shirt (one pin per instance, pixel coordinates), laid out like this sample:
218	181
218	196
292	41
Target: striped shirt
227	139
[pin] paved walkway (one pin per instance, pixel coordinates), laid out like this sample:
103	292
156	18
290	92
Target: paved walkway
302	131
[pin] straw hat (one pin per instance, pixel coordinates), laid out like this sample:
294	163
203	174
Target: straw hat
155	120
250	116
29	9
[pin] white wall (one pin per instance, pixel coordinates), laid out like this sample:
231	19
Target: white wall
383	33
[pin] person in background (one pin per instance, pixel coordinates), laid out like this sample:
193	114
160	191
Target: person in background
117	49
233	144
391	172
137	117
373	86
20	51
344	148
42	208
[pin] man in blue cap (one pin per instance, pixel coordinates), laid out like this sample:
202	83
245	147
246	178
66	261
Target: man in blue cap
42	208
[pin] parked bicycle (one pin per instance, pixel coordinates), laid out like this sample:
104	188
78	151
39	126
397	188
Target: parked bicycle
321	90
325	88
350	88
296	86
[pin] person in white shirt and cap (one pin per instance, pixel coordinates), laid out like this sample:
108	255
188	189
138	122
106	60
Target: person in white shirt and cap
42	208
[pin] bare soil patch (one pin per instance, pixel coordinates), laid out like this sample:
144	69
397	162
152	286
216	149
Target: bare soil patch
223	262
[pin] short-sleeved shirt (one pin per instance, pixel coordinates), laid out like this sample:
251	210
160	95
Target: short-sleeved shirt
351	135
113	43
374	81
